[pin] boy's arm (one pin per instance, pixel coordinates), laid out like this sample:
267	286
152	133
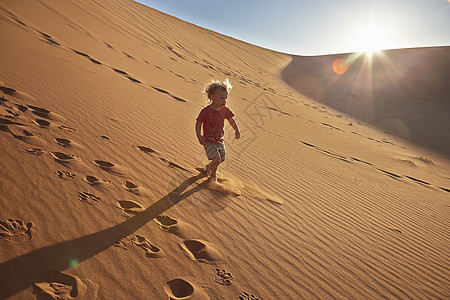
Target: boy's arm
237	133
198	131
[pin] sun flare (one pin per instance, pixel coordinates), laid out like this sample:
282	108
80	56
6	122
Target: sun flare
372	39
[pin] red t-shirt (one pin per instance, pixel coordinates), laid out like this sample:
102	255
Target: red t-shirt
213	123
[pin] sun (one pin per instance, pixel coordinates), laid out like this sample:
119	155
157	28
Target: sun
371	39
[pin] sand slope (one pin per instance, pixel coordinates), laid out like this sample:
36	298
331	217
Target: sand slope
403	92
101	199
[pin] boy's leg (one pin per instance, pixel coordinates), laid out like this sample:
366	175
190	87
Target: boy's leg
209	167
219	159
213	168
216	153
212	154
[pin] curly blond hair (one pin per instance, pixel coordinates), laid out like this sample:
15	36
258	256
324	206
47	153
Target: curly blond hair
210	88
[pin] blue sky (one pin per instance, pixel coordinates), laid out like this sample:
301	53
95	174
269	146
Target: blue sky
314	27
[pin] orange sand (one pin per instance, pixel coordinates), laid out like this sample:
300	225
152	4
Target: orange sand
337	189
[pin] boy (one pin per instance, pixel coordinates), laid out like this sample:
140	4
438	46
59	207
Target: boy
212	117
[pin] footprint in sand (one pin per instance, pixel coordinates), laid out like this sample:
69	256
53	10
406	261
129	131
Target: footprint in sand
145	149
69	129
168	93
110	167
58	285
199	250
335	155
129	207
94	181
161	90
97	62
10	111
42	123
308	144
178	98
174	226
226	186
4	121
104	164
129	185
133	79
126	75
89	198
174	165
445	189
35	151
179	288
87	56
120	71
418	180
48	39
63	142
390	174
128	55
67	143
135	189
21	108
361	161
65	175
6	129
247	296
16	94
80	53
223	277
45	113
30	138
150	250
16	231
69	161
124	242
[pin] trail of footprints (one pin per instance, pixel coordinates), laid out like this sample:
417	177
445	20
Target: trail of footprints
126	75
228	71
65	175
17	116
51	40
28	123
223	277
354	159
268	105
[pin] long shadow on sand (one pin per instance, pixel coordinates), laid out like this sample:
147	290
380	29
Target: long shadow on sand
18	274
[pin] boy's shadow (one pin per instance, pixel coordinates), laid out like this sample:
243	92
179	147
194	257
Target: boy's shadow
18	273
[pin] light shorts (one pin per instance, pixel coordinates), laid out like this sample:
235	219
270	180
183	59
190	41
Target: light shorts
215	150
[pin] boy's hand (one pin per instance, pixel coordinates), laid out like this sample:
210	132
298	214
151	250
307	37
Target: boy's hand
201	139
237	134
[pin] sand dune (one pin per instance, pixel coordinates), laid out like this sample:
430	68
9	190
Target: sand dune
403	92
323	197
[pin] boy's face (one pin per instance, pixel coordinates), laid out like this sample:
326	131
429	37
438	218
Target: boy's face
219	98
